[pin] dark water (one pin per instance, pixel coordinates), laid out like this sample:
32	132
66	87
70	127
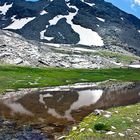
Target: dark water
55	112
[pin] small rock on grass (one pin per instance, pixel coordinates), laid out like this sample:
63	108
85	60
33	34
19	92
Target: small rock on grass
62	137
116	112
98	112
74	128
121	134
107	115
82	129
113	127
110	133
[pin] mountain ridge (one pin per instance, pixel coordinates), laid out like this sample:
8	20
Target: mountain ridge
72	33
111	25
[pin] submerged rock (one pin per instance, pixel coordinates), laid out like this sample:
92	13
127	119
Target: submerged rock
8	131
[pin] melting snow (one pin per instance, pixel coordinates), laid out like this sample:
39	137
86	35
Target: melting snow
118	64
84	50
19	23
5	8
42	36
101	19
90	4
56	19
54	45
61	35
87	36
43	12
135	66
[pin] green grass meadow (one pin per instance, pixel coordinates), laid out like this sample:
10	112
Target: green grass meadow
14	77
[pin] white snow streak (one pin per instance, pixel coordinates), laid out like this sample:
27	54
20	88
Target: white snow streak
43	12
135	66
19	23
42	36
101	19
90	4
87	36
5	8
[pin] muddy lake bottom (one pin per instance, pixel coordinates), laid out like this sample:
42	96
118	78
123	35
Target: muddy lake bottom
51	114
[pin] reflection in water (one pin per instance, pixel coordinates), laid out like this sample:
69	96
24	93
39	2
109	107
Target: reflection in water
86	98
17	108
61	107
41	98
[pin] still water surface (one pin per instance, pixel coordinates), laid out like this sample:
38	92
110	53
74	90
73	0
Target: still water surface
61	109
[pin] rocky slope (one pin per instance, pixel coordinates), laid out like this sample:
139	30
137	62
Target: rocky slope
15	49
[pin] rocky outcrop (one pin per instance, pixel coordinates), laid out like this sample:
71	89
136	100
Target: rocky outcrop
15	49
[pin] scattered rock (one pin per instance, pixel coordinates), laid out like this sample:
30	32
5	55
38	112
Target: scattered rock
62	137
110	133
138	120
113	127
116	112
83	129
9	131
98	112
107	115
121	134
90	130
74	128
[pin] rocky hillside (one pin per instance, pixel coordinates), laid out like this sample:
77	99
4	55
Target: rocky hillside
15	49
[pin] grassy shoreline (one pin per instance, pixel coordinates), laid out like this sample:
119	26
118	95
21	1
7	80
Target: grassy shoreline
124	124
14	77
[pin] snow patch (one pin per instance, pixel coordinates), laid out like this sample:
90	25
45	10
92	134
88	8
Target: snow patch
87	36
101	19
135	66
84	50
43	12
55	19
118	64
61	35
5	8
54	45
42	36
19	23
90	4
